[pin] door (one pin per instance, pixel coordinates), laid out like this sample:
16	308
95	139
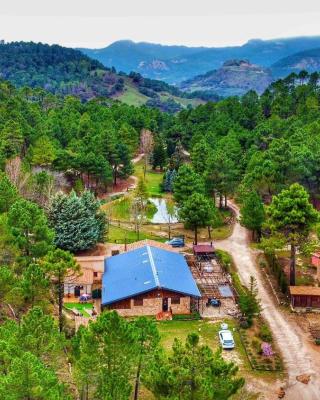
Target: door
76	291
165	304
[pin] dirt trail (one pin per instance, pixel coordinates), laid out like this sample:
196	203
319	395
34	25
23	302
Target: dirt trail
298	355
131	177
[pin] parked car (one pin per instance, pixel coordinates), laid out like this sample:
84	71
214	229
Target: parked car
226	339
214	302
176	242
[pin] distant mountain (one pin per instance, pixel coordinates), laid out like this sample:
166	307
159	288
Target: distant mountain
308	60
235	77
128	56
174	64
66	71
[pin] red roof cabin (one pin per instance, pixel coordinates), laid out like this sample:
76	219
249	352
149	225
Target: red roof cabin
203	249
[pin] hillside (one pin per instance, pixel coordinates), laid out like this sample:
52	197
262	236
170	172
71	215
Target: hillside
308	60
235	77
174	64
66	71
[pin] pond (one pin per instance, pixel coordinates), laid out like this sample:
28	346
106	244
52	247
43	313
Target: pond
163	215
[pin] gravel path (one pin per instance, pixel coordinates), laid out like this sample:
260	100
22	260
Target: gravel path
298	355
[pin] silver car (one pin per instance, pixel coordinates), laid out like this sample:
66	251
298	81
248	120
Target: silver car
226	339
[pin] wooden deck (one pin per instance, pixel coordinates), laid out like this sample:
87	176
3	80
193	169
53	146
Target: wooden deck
209	275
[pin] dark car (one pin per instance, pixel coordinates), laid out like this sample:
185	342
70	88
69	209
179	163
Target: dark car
214	302
176	242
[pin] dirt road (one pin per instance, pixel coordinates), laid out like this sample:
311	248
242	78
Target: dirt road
298	355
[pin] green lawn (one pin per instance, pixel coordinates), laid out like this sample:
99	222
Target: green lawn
118	234
207	330
222	232
153	180
118	209
82	307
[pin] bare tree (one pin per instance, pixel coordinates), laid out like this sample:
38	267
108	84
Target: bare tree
146	146
16	175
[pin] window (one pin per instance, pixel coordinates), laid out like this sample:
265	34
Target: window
138	302
95	274
175	300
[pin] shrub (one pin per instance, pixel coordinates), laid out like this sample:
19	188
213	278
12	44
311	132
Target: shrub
265	333
193	316
244	324
256	345
317	341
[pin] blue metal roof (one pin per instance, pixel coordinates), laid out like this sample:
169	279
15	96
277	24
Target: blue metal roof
145	269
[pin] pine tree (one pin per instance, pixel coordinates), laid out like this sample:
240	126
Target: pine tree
8	193
192	372
292	214
186	183
196	212
59	265
252	213
29	228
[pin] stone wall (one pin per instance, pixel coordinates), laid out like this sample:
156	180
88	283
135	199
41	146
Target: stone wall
152	306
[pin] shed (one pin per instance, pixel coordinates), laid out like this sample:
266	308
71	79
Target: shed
203	249
305	296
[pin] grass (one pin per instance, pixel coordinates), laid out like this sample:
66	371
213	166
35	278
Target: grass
132	96
153	180
181	100
222	232
118	209
207	331
82	307
118	235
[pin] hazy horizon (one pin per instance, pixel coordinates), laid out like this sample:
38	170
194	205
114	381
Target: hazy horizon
97	24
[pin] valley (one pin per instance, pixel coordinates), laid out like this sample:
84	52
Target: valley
159	221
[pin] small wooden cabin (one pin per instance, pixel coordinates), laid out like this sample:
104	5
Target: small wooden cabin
304	297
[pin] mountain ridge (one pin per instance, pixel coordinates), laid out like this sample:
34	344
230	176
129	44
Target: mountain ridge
193	61
66	71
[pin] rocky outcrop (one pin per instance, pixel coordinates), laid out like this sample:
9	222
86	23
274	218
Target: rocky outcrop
235	77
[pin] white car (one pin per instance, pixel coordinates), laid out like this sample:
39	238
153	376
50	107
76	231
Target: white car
226	339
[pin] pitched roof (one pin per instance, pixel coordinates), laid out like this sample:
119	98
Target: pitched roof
305	290
84	278
203	248
145	269
152	243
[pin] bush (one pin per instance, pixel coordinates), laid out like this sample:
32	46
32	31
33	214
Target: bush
317	341
225	259
265	333
180	317
256	345
244	324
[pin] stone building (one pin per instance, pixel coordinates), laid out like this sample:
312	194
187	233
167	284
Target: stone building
147	281
89	279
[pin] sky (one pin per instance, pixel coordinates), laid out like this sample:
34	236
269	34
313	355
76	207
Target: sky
98	23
